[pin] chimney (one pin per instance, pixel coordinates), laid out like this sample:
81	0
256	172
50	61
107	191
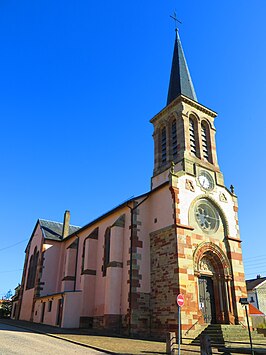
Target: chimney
258	276
66	224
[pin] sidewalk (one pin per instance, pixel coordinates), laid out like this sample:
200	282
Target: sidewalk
110	344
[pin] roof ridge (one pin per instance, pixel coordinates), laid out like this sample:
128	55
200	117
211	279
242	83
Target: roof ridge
48	220
256	278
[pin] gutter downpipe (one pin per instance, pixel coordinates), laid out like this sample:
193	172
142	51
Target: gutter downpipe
257	299
132	226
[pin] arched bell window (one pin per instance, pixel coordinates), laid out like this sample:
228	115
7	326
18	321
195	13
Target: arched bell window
174	139
163	145
205	138
193	137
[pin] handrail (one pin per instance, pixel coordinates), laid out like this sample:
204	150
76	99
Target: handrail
239	322
193	325
243	325
236	322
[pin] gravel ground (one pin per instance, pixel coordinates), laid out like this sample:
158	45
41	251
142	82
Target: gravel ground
19	341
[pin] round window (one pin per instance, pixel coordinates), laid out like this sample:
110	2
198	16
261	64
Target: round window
206	216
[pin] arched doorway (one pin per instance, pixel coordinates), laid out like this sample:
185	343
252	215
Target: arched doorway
214	273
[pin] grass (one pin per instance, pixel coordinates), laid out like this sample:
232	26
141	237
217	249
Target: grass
119	345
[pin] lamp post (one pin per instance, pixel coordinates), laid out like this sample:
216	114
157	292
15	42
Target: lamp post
244	302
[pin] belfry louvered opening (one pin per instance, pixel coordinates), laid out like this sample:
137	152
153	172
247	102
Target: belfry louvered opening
163	145
205	139
174	140
192	137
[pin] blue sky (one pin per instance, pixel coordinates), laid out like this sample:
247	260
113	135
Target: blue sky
79	84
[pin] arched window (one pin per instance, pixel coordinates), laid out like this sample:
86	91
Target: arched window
28	284
106	255
205	137
32	269
163	145
174	139
193	136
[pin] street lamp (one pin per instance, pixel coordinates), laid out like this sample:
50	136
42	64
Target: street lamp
244	302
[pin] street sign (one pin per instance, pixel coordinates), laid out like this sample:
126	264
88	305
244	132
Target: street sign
180	300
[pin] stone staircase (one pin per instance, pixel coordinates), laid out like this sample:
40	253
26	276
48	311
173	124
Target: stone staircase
226	336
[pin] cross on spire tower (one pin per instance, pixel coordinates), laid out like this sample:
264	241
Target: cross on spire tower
176	20
180	79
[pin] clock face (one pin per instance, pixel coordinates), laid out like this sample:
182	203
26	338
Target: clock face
205	180
206	216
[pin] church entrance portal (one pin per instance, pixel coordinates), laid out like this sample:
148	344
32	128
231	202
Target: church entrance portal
214	290
206	299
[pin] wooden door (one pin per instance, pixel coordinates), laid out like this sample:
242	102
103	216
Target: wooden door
59	312
206	299
43	311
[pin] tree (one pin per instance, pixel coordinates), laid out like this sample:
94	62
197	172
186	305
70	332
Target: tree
8	295
6	305
5	309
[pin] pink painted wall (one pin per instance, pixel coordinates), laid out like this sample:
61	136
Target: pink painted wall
98	295
50	267
113	293
70	264
61	267
49	317
71	310
90	257
155	213
27	301
87	282
103	289
88	295
68	259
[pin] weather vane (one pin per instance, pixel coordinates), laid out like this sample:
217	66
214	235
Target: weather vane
176	20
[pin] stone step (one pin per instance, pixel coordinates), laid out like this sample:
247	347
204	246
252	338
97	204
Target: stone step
235	335
230	344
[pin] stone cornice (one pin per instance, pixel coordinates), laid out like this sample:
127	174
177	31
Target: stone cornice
186	100
233	239
183	226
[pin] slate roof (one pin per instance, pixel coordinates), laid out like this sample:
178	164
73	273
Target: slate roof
53	230
251	284
180	79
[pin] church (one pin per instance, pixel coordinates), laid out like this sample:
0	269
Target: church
124	270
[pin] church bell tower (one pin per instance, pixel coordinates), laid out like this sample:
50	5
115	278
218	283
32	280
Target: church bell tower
184	132
209	269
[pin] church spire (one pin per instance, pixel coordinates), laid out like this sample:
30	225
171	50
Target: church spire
180	80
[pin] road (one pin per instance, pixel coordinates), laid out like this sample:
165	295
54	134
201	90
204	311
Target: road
20	341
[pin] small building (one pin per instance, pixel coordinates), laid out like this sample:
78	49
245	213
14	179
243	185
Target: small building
256	289
15	302
258	318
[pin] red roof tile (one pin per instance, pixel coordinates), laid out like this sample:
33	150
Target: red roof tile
253	311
